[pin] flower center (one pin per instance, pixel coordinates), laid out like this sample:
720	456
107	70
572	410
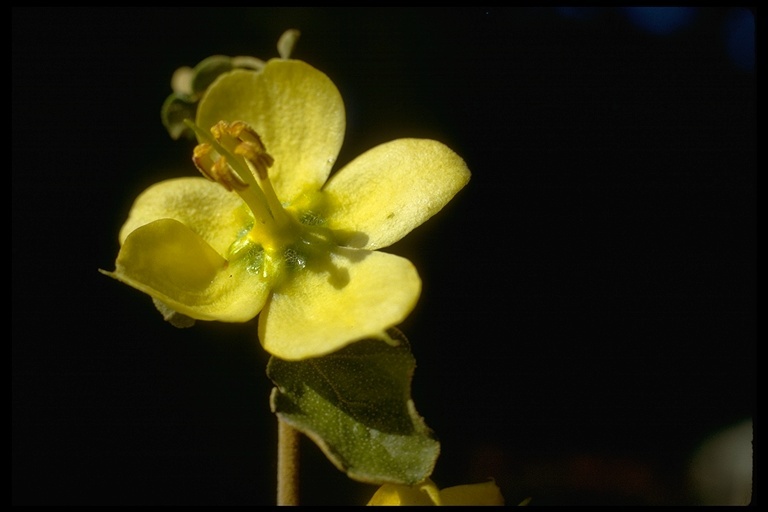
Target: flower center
234	156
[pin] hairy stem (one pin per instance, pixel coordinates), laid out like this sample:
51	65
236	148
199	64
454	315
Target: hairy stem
287	464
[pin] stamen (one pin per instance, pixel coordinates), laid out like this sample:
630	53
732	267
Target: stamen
245	133
250	147
226	176
217	170
201	156
261	161
220	132
222	143
242	165
253	150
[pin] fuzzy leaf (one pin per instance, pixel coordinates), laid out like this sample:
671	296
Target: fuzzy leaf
355	404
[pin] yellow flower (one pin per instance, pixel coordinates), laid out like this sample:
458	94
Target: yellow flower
269	234
427	493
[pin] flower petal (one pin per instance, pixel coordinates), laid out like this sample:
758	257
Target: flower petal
205	207
297	111
487	493
352	296
173	264
391	189
426	493
405	495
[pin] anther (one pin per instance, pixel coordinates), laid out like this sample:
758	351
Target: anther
201	156
217	170
220	132
261	160
226	176
242	140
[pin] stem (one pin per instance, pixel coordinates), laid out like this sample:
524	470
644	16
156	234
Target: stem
287	464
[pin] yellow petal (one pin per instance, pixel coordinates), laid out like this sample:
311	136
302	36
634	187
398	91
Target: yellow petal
205	207
173	264
389	190
487	493
404	495
353	295
426	493
297	111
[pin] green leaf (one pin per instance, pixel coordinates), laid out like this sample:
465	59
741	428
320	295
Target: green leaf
356	405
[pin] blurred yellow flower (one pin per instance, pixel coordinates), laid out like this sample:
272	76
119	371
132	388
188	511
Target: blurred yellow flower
269	234
427	493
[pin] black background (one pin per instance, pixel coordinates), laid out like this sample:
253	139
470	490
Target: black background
589	306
